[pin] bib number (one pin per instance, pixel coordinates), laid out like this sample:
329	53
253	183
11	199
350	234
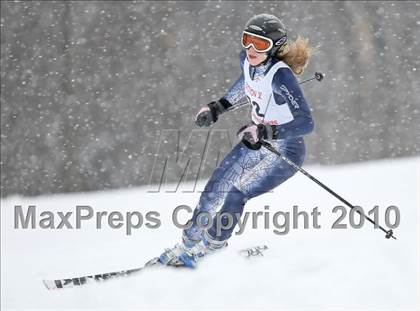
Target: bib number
257	107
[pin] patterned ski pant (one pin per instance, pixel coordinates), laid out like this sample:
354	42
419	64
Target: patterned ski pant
243	174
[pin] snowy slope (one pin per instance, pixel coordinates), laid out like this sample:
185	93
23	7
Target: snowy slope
307	269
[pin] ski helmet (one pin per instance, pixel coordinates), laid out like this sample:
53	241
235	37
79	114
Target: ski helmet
269	26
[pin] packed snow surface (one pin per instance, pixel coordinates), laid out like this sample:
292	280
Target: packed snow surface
310	269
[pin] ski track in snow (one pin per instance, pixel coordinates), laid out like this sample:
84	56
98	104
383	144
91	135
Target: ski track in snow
311	269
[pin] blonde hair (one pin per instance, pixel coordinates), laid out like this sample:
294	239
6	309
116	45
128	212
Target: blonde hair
297	54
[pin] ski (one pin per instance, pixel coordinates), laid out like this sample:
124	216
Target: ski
253	251
78	281
83	280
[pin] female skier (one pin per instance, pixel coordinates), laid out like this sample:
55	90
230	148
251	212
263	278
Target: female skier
280	115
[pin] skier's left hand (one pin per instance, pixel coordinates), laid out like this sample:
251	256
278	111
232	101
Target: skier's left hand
251	133
254	133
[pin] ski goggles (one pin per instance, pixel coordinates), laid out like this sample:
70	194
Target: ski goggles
259	43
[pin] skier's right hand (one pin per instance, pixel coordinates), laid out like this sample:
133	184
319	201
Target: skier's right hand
205	117
209	115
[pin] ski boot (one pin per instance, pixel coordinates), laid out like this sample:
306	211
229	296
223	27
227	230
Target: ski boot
182	255
170	256
207	245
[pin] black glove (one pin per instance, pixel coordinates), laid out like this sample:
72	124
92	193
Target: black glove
208	117
251	135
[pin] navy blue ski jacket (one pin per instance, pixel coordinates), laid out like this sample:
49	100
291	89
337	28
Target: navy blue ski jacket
285	90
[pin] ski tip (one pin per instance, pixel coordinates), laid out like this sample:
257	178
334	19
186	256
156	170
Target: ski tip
49	284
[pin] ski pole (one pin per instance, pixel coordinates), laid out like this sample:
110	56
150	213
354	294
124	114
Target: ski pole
268	146
317	76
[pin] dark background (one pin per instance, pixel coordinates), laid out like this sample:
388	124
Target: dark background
88	88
